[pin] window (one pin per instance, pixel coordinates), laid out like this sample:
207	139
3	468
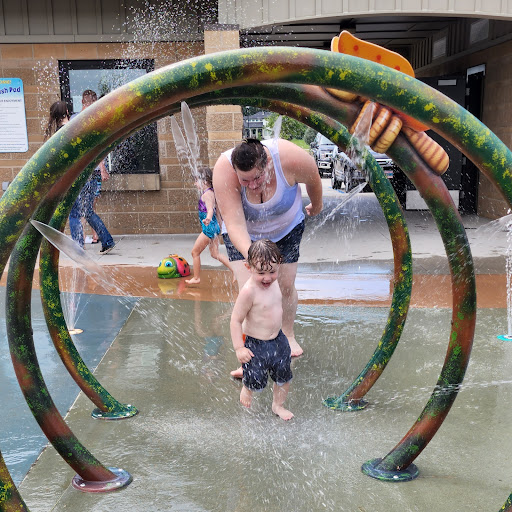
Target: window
139	153
478	31
439	48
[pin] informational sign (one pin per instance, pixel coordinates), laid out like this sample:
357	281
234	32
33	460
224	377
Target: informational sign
13	122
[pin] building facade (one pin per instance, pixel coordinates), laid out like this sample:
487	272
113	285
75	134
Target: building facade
60	47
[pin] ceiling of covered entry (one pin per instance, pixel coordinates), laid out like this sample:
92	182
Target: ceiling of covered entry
393	32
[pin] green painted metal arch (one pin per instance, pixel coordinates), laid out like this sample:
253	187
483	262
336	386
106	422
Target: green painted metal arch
84	137
436	194
297	98
507	506
107	405
26	366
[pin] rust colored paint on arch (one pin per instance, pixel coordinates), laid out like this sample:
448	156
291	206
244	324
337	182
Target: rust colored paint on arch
85	138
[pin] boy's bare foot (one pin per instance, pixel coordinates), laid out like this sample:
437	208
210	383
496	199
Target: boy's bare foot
194	280
246	397
237	374
283	413
295	347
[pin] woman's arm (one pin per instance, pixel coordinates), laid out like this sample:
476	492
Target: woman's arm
227	191
300	167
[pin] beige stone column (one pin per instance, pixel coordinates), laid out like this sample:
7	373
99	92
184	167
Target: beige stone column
224	123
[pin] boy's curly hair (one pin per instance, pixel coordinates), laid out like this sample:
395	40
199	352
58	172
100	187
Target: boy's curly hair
265	253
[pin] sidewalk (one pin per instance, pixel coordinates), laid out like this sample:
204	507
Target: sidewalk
187	449
355	238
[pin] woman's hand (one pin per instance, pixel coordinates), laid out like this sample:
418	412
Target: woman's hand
311	211
103	171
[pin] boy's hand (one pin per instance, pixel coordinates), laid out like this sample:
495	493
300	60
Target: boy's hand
244	355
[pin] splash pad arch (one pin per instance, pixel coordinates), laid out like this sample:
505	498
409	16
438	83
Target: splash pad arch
90	136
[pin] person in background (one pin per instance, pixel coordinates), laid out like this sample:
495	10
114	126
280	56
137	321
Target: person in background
84	204
94	239
58	118
209	237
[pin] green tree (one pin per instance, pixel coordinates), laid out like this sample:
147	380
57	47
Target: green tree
309	135
290	128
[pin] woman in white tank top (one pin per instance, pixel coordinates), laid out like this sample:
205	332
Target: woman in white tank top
258	194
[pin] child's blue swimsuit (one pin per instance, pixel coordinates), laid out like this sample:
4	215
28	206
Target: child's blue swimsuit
213	229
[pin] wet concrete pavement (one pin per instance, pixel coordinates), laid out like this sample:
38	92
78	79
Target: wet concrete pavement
347	258
194	448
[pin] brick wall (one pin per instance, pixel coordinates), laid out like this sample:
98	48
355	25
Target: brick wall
173	208
223	122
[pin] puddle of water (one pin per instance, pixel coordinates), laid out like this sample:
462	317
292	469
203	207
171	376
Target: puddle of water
194	448
346	287
22	439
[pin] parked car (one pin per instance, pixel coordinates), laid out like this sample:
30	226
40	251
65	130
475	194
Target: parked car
345	172
324	152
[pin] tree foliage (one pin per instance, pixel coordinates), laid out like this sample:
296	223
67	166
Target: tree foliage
290	128
309	135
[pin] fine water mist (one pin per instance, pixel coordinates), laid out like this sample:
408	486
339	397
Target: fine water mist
356	151
188	145
491	231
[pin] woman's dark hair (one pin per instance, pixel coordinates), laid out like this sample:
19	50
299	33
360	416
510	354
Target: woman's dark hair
206	175
248	155
58	112
264	252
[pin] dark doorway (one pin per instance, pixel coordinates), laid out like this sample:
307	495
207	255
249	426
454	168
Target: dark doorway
470	174
138	154
453	86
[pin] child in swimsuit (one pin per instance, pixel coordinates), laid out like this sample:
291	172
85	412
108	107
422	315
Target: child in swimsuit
258	312
209	225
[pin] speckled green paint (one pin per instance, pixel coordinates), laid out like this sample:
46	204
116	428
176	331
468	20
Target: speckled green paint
507	507
10	498
52	307
163	88
26	366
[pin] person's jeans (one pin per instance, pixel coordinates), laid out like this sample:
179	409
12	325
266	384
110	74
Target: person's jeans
83	207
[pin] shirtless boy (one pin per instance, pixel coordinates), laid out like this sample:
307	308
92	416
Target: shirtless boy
258	313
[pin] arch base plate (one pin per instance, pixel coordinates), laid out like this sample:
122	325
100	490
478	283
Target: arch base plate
127	411
122	479
336	403
371	468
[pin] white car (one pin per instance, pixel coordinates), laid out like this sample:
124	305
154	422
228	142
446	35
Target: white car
324	152
345	172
